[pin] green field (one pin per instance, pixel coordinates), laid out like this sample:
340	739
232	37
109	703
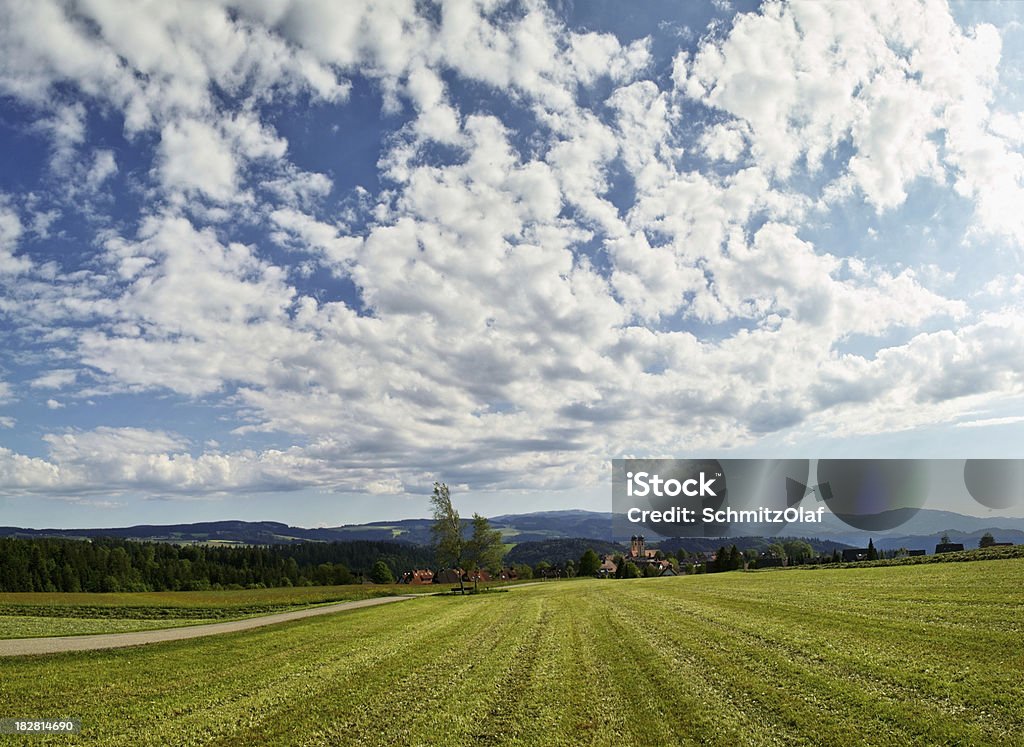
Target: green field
35	614
928	654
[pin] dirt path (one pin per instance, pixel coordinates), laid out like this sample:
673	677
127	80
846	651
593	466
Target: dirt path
25	646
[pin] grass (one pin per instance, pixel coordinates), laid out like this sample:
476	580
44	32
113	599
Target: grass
278	597
35	626
927	654
982	553
24	615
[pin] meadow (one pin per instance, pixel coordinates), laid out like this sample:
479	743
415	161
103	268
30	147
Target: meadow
927	654
35	614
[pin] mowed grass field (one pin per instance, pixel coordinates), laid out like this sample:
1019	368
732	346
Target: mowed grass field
929	655
27	615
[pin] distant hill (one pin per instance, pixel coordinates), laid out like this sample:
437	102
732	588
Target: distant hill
514	529
920	532
557	551
237	532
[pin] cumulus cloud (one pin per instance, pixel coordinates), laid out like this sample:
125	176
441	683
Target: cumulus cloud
10	232
197	158
902	85
104	165
569	250
55	379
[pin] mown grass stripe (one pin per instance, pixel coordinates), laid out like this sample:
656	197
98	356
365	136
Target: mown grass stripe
910	655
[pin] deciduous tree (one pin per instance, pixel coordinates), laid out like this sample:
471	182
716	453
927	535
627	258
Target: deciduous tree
381	574
590	563
449	545
484	548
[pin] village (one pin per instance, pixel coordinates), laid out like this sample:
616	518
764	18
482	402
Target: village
639	560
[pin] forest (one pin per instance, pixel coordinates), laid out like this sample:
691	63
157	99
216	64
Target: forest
108	564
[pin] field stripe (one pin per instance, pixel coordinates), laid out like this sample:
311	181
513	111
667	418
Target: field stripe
754	659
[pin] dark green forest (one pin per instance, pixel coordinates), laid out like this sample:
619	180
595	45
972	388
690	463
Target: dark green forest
107	564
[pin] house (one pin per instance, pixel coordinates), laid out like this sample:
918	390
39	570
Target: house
949	547
417	577
855	554
607	567
449	576
455	575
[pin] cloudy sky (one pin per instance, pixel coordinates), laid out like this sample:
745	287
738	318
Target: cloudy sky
297	259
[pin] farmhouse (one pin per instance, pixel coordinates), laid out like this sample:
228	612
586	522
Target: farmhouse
449	576
949	547
417	577
854	554
453	575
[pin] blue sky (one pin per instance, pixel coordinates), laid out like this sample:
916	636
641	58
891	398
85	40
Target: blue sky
297	260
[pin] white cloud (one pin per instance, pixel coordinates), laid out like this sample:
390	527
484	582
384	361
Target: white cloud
56	379
988	422
194	157
312	235
10	233
575	260
103	167
894	81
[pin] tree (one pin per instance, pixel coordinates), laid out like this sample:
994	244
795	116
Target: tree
798	551
630	570
750	555
735	559
484	548
872	552
381	574
590	564
987	540
523	571
945	539
620	565
449	546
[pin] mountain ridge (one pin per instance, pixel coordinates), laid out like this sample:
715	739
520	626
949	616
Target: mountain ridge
925	526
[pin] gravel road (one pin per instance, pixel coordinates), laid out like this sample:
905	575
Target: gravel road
27	646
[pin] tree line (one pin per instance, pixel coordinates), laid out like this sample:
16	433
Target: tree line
107	564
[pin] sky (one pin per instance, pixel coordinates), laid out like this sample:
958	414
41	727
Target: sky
297	260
